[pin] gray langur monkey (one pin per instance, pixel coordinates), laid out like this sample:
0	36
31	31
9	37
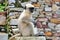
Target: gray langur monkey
25	23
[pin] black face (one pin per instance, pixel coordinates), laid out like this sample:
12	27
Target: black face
31	9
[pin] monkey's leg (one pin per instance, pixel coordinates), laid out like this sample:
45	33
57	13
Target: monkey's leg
24	29
31	28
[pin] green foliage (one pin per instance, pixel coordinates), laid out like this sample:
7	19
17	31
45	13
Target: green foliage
17	4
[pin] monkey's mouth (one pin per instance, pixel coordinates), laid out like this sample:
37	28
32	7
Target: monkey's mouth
31	9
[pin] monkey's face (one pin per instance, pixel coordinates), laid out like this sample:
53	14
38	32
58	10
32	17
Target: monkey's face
31	9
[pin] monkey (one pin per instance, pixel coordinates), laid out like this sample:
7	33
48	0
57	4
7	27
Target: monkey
25	23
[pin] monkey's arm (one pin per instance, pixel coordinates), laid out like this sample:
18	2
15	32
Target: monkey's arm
25	20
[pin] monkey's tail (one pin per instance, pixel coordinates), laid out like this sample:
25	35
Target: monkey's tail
13	37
